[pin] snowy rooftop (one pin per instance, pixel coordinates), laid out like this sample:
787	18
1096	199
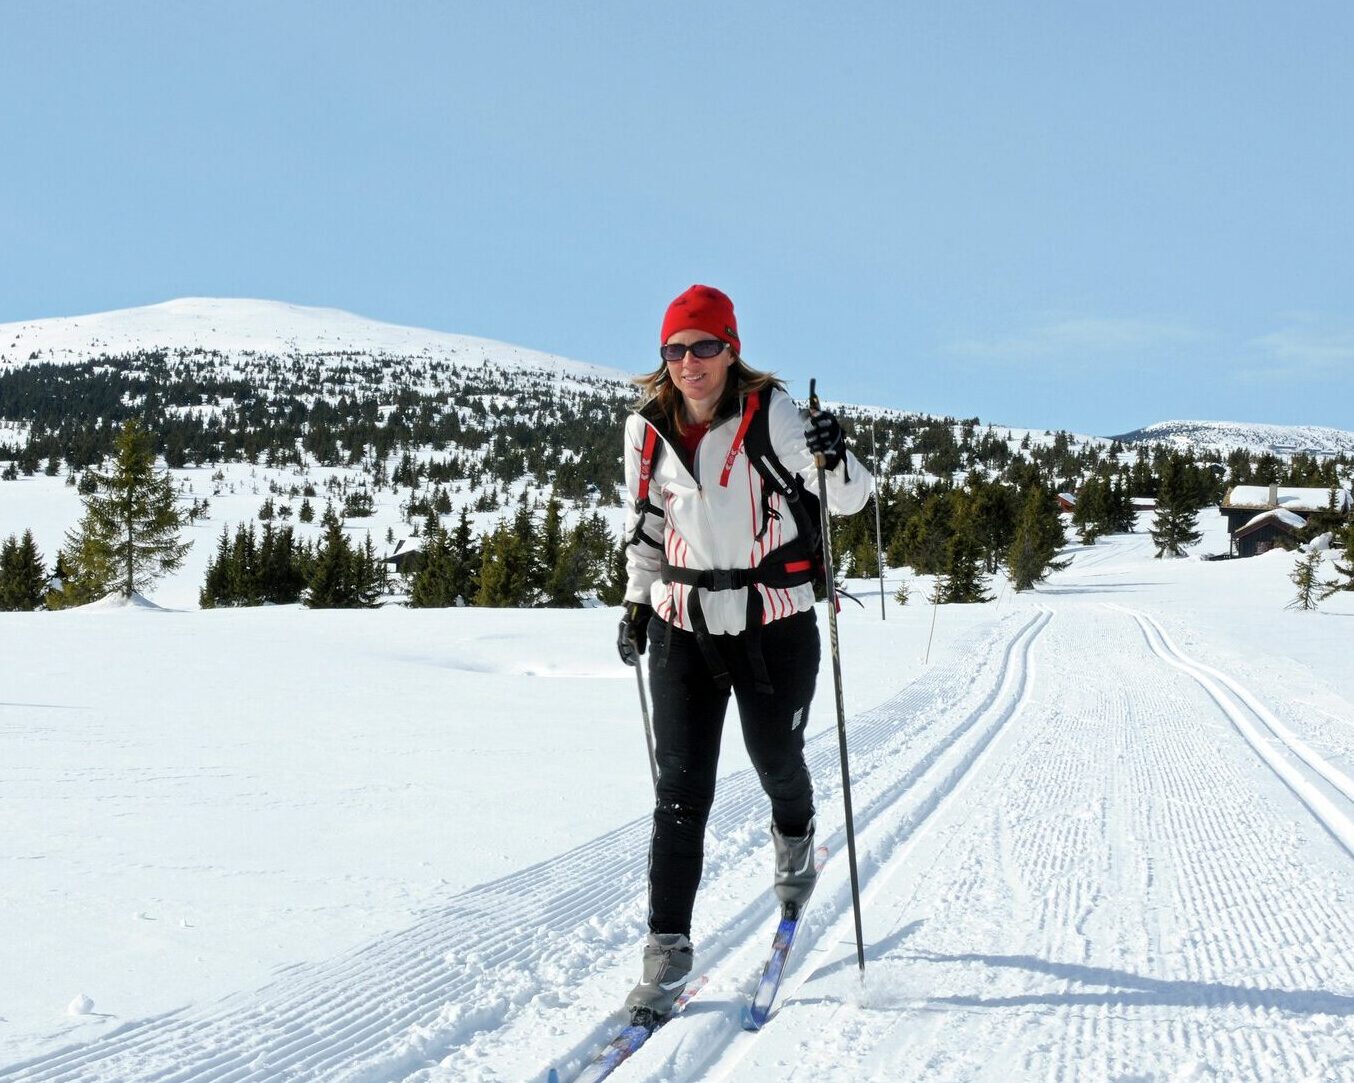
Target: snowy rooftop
1296	499
1278	515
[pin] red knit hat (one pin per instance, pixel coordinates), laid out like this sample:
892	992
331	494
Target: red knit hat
702	308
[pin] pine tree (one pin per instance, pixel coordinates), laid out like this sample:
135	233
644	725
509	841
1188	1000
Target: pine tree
1091	514
1122	516
1038	536
22	580
1310	588
370	576
962	581
216	588
529	571
927	534
550	547
1344	539
993	508
433	585
1175	523
465	552
129	535
333	578
583	564
502	567
612	590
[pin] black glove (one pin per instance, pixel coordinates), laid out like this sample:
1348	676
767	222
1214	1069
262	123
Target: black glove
634	632
823	434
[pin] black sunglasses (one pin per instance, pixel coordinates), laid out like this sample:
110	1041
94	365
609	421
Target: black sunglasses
705	349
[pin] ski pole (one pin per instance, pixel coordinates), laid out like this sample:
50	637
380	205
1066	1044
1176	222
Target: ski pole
648	725
878	528
825	526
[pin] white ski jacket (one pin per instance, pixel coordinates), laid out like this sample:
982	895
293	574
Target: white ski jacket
710	523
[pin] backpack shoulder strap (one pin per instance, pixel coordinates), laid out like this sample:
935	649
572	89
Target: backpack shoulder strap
757	443
648	455
776	477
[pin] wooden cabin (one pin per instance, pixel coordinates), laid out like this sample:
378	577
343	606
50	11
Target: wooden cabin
1268	530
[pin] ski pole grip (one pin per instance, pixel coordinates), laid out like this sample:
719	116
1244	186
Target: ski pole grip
818	459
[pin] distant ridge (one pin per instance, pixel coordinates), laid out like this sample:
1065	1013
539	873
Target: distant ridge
240	326
1256	437
244	330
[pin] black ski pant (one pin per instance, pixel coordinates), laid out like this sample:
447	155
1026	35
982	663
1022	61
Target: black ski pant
688	721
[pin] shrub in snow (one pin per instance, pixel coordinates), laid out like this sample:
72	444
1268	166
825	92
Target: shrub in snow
1310	588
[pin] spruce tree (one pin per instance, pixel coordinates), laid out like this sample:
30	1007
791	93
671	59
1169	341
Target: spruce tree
32	575
1175	524
1310	588
1122	517
22	579
551	546
993	508
927	534
216	588
583	564
465	552
612	589
282	567
502	568
1038	536
129	535
1091	513
528	569
334	576
433	585
1344	539
962	581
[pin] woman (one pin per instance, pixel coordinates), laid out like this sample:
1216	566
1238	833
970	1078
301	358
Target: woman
711	544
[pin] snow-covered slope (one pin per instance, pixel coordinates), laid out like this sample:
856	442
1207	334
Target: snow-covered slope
271	328
1105	833
1223	436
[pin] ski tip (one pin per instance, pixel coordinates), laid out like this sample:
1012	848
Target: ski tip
750	1021
553	1077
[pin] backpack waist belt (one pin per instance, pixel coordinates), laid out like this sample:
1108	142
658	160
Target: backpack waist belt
789	565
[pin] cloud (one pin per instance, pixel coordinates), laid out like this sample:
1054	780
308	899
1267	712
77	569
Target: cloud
1085	338
1301	352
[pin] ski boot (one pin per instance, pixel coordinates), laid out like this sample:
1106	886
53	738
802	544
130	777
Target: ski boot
667	965
795	870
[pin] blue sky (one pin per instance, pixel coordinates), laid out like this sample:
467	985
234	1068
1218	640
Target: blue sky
1082	215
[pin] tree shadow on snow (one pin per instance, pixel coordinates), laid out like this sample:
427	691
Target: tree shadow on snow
1125	989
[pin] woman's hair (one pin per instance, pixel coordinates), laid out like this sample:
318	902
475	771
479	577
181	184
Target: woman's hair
657	387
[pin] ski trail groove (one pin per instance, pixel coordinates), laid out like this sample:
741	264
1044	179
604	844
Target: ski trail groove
886	831
1122	893
465	974
1251	719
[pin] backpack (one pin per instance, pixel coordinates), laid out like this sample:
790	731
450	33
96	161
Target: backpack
801	560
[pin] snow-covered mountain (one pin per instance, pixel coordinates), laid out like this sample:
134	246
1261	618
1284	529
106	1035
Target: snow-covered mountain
246	339
1224	436
251	328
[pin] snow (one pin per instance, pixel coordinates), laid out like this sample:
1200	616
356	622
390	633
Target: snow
1290	497
1106	832
231	325
1255	437
1278	515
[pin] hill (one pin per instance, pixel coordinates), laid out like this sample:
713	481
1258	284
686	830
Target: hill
1256	438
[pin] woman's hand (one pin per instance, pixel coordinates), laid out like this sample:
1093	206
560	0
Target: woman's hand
634	633
823	435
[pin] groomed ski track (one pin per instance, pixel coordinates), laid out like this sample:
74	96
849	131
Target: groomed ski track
1084	855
